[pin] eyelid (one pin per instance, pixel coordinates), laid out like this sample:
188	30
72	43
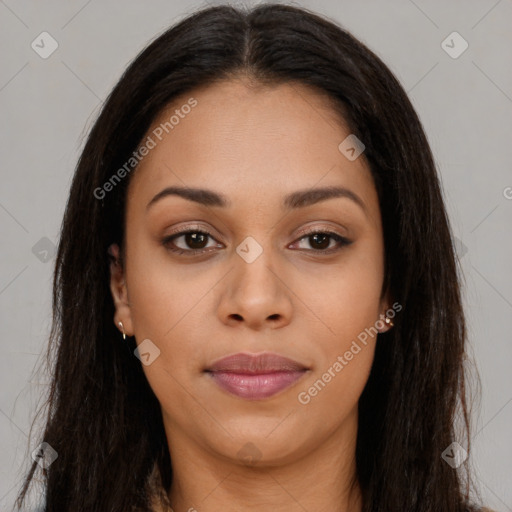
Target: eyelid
320	229
186	229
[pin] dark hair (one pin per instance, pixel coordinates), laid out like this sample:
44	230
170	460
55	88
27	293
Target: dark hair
104	420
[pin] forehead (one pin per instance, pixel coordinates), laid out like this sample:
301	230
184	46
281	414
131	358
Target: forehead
252	143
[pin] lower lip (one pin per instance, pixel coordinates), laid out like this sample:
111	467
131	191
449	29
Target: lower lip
255	386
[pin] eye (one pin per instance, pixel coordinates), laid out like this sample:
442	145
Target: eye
194	240
320	240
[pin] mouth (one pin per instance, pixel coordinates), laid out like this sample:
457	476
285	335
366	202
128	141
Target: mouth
255	376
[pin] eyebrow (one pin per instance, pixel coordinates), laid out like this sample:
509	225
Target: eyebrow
298	199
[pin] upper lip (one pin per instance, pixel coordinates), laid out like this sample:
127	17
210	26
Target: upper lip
266	362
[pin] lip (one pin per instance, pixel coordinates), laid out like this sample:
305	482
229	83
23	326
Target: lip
255	376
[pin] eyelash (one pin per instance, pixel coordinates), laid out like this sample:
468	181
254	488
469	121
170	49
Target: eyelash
192	252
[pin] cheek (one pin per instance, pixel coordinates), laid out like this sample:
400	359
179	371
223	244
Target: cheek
334	391
161	292
344	299
344	340
171	304
344	357
344	348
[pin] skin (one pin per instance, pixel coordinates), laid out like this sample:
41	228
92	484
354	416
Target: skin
255	145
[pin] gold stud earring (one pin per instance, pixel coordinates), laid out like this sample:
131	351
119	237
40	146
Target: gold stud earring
389	322
122	329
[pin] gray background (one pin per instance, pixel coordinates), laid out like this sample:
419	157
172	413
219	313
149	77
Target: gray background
465	104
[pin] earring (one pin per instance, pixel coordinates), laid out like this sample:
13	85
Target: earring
122	329
389	322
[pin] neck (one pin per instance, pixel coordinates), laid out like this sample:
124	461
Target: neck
323	478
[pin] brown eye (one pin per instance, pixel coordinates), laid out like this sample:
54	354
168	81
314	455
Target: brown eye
194	241
319	241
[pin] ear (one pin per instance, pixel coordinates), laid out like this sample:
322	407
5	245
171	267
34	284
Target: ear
385	309
119	292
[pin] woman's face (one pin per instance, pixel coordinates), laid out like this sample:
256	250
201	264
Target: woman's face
258	282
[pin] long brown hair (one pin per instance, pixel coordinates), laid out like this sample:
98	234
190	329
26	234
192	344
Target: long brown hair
104	420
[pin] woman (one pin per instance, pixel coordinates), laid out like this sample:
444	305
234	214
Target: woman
256	300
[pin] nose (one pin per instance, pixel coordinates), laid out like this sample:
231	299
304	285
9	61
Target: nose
256	294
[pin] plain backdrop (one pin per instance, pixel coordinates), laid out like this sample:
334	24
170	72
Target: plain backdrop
464	101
